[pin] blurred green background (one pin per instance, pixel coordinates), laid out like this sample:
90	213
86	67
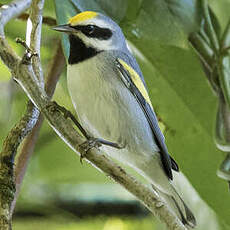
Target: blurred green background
186	107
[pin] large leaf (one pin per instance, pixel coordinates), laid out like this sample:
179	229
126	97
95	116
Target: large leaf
178	89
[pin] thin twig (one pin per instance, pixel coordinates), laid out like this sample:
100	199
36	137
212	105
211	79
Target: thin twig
33	36
27	48
29	52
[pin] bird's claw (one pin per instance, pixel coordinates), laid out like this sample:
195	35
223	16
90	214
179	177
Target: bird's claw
90	143
66	113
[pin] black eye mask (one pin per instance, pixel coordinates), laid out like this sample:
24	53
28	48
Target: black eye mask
94	31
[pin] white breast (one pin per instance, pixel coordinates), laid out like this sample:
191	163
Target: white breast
107	109
92	97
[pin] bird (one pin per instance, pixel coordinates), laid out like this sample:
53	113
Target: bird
110	96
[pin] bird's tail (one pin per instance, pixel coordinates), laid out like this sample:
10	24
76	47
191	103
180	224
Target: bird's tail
179	207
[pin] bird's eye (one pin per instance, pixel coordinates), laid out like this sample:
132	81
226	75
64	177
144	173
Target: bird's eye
90	29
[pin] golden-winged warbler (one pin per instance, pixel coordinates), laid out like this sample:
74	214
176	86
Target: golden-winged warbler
109	94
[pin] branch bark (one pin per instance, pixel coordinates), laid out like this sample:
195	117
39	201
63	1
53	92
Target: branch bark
9	149
12	10
25	76
56	68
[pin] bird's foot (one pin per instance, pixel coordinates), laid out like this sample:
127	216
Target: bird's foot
66	113
111	144
93	142
90	143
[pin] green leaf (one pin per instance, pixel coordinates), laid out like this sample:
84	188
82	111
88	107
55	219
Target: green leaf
185	13
221	9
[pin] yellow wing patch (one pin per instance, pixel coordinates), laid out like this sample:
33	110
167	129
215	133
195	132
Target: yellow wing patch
82	17
137	81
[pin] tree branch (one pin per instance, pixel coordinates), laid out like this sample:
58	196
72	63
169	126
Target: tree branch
33	36
47	20
9	149
12	10
56	68
25	76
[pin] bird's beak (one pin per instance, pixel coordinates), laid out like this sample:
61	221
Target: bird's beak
63	28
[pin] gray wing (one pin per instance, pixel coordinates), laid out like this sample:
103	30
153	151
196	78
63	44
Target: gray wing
167	160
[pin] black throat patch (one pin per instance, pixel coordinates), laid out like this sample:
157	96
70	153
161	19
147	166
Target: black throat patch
79	51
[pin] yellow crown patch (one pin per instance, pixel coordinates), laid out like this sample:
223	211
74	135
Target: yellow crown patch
82	17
